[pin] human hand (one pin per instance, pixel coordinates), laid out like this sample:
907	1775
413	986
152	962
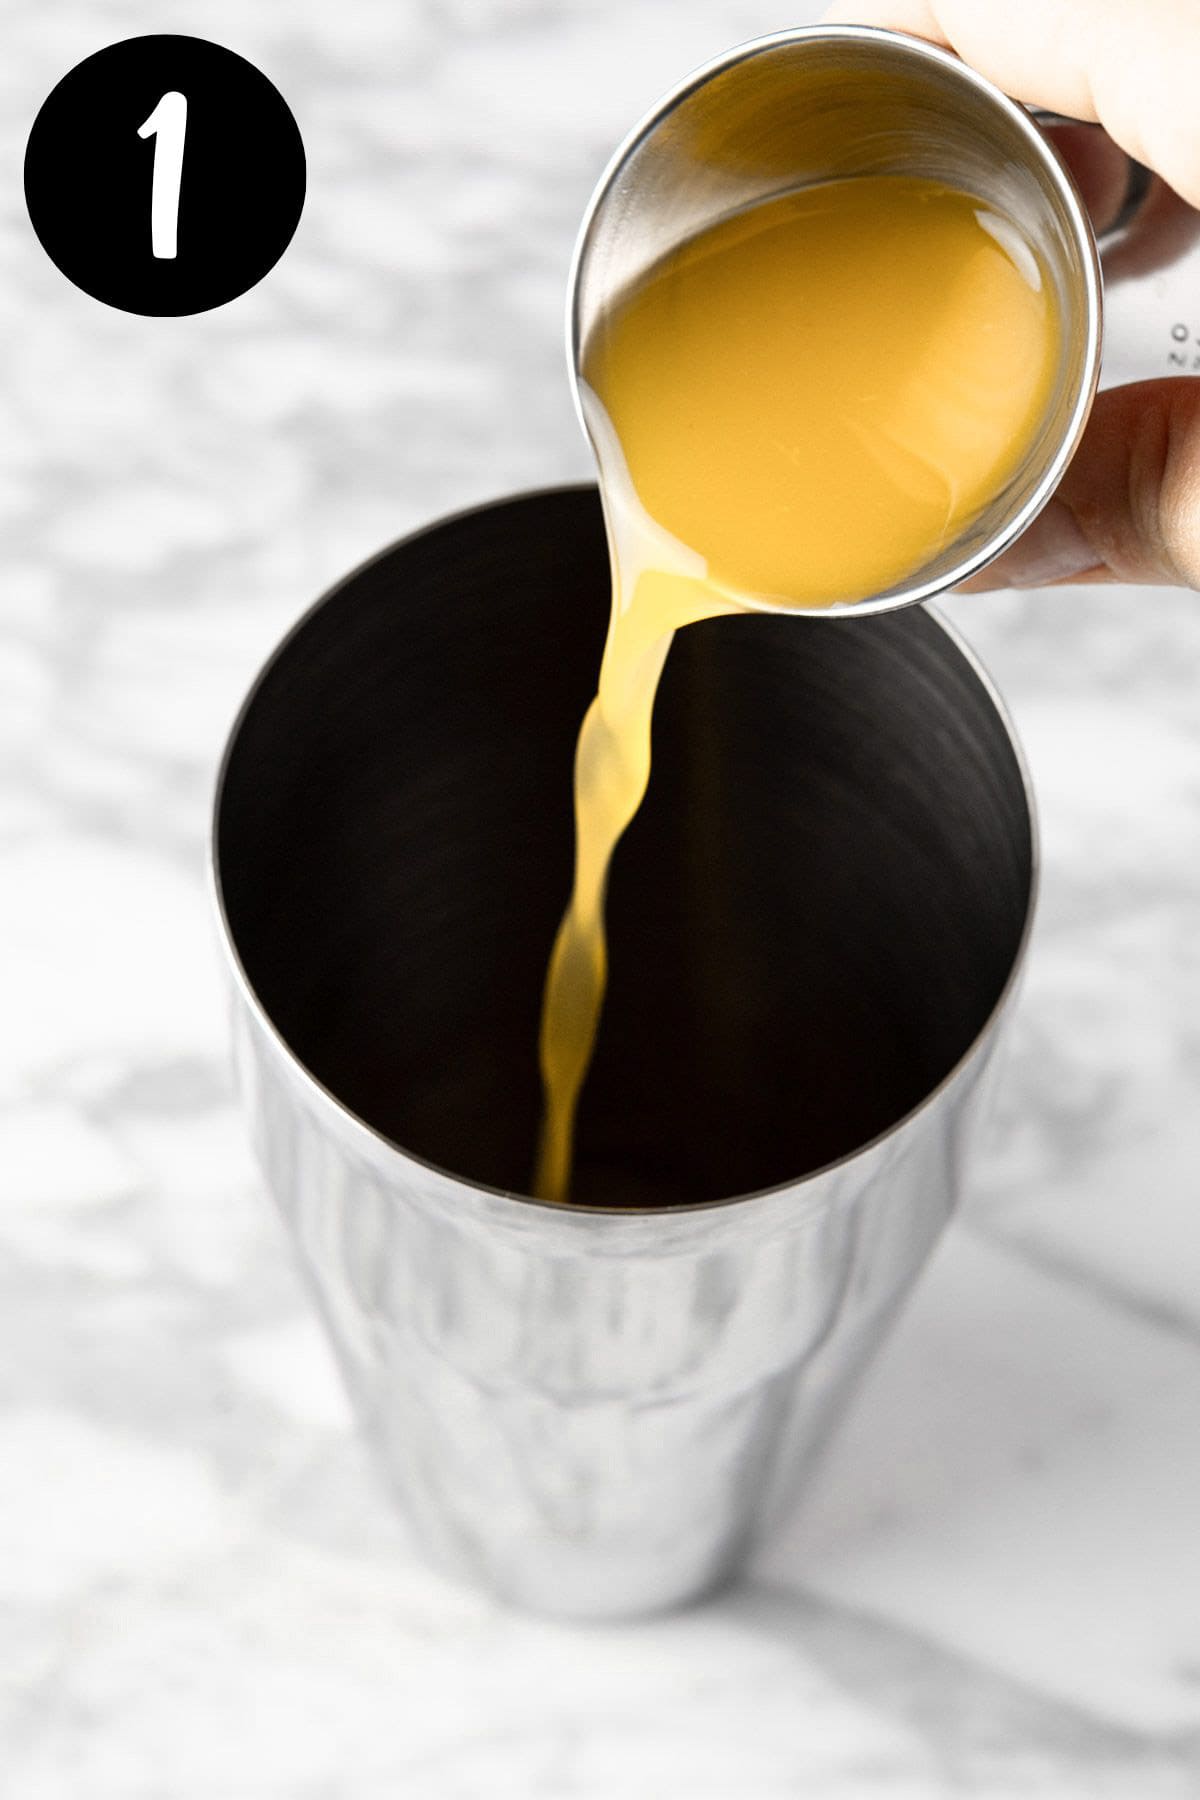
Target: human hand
1128	506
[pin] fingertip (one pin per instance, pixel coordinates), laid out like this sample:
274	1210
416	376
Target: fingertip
1054	548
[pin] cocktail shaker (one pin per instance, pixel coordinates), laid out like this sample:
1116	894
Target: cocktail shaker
816	923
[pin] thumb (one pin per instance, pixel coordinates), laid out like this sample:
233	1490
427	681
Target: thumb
1128	507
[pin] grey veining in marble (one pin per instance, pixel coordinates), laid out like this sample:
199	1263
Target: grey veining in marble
996	1589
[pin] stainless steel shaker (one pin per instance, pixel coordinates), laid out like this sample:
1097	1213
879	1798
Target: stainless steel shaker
816	923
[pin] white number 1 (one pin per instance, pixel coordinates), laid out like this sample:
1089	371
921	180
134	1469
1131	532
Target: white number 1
167	125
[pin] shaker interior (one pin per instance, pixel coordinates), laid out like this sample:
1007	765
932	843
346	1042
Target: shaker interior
811	919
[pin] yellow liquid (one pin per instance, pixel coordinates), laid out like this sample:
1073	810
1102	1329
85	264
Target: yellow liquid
798	407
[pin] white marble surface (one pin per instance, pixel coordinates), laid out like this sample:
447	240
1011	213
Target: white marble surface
995	1590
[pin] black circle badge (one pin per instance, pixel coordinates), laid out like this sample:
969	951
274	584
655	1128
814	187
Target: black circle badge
164	175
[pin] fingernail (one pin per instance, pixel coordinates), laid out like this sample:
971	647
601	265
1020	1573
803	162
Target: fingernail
1052	549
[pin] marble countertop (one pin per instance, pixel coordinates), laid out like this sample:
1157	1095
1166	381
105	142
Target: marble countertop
995	1588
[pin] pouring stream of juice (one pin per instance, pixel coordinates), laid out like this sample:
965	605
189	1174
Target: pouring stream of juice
797	407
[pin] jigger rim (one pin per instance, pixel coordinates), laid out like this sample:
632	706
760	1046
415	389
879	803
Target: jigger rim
374	1141
921	50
